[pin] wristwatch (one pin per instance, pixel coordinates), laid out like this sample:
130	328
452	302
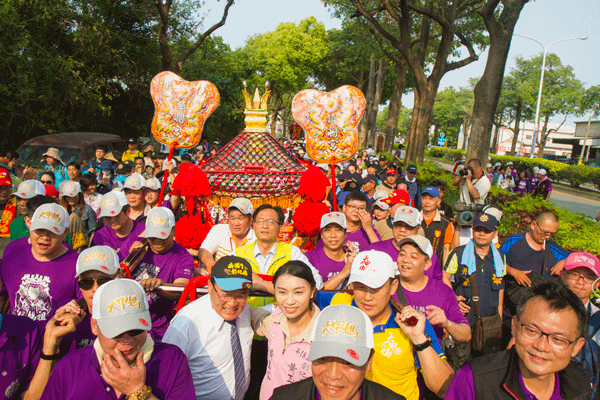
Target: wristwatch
424	345
50	357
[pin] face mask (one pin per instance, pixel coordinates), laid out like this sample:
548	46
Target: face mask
122	178
106	173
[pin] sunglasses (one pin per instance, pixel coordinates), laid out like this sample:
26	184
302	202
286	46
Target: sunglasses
131	333
88	283
47	182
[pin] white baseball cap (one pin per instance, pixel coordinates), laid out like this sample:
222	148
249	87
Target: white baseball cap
342	331
30	188
70	188
380	195
243	205
120	306
542	171
112	203
134	182
372	268
153	184
51	217
333	218
159	223
408	214
420	241
98	258
381	204
536	170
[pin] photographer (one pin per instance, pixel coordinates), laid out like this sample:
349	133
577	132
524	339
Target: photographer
474	184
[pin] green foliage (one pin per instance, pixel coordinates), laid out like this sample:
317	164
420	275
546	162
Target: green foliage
576	174
576	232
403	121
449	110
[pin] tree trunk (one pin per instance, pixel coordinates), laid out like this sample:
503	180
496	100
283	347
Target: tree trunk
395	106
497	125
544	137
419	124
375	106
365	123
487	90
513	145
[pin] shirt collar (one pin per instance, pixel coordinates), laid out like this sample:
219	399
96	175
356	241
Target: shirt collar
257	250
304	336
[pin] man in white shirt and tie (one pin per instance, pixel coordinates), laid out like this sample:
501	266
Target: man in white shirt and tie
215	332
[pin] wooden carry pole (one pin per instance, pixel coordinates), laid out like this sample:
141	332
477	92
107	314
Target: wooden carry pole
334	205
165	178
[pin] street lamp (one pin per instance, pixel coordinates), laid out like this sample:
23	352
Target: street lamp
539	99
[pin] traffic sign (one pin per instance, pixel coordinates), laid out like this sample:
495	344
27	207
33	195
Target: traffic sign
442	135
441	141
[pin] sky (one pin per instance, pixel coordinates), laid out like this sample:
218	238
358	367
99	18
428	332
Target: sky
544	20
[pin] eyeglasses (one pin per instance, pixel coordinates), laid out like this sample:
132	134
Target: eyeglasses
270	222
239	297
545	233
47	182
88	283
577	276
532	333
355	207
131	333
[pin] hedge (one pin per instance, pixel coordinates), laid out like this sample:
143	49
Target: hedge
575	175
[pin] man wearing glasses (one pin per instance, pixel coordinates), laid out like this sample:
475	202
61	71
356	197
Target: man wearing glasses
124	360
95	267
547	331
533	251
215	332
360	232
580	274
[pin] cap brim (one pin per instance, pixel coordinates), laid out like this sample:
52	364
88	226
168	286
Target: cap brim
114	326
59	230
108	213
159	233
231	284
320	349
373	283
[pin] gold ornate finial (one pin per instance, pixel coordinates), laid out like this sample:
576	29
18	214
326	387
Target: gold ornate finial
256	110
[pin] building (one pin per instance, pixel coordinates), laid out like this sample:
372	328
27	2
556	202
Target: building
559	144
591	129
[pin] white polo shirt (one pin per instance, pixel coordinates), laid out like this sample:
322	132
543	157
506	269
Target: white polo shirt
220	243
204	337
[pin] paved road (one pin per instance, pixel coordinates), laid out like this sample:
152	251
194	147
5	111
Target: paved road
575	203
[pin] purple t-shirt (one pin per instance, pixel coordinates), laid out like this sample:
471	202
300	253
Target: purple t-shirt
436	293
36	289
387	246
106	236
174	264
463	386
522	186
327	267
533	183
77	376
82	337
20	346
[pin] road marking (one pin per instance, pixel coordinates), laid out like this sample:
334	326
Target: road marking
577	197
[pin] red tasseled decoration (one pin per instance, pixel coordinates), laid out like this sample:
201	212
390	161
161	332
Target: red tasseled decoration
313	184
307	218
191	181
193	227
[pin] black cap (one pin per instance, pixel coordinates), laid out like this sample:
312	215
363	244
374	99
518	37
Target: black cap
132	141
370	178
412	169
232	273
487	221
382	158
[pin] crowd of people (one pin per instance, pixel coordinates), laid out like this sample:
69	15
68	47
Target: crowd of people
398	299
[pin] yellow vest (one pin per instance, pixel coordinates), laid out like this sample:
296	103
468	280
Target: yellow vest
283	254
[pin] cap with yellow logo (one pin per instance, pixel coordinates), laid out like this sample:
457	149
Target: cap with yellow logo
420	241
232	273
344	332
30	188
159	223
120	306
51	217
98	258
112	203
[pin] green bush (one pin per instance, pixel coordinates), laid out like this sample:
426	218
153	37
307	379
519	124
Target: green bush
574	174
576	232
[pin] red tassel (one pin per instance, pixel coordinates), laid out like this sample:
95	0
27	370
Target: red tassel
313	184
307	219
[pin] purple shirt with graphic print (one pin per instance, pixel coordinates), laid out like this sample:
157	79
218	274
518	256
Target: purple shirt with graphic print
327	267
36	289
173	264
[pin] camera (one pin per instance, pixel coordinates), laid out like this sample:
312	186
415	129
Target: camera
465	213
465	171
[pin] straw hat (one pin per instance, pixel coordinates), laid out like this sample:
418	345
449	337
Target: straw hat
111	157
53	152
